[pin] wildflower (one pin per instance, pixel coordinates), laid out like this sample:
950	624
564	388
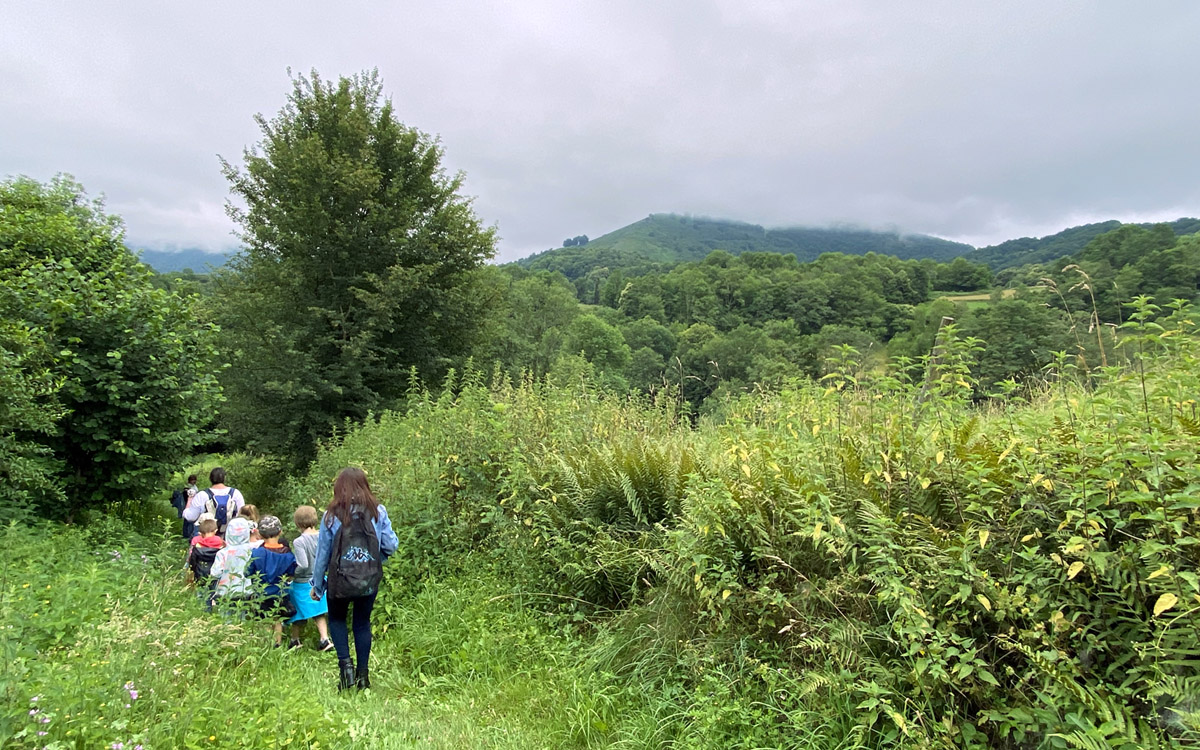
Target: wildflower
42	734
45	719
34	711
35	699
118	746
133	694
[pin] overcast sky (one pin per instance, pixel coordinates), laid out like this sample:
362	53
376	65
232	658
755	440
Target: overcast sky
968	120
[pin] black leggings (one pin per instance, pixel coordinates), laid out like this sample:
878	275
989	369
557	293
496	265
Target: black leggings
362	627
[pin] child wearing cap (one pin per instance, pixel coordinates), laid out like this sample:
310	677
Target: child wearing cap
272	565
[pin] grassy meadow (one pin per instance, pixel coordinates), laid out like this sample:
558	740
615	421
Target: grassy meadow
865	562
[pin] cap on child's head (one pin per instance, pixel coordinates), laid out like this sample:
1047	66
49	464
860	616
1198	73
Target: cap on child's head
270	526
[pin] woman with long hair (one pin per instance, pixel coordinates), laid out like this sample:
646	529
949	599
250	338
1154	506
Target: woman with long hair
347	528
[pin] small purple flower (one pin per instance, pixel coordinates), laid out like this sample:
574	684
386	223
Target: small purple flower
118	746
133	694
42	734
45	719
34	711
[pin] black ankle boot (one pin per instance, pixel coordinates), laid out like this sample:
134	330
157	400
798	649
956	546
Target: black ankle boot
363	680
345	674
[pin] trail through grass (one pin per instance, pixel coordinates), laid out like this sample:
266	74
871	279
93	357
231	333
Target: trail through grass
103	646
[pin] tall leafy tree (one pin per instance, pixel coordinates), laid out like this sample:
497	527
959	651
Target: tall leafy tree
359	265
100	395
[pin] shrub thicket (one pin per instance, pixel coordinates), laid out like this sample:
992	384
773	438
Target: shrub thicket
881	559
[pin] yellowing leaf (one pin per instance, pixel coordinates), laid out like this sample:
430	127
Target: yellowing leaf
1161	571
1048	485
924	484
817	531
725	594
984	601
867	478
1037	478
1075	569
941	455
983	538
746	470
816	429
1165	602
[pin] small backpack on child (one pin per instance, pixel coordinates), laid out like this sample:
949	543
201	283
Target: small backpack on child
355	565
200	561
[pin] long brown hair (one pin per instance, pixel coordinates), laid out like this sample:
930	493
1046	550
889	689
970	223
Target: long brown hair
351	488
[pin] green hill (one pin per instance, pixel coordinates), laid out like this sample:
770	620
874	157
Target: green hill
1027	250
670	238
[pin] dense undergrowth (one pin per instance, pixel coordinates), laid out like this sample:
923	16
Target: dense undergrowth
872	561
876	556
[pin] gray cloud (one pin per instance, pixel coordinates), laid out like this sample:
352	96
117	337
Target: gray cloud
967	120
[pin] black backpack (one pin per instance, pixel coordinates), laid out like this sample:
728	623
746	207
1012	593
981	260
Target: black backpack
355	564
201	561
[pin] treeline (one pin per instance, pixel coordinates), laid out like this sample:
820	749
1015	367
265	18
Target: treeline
724	323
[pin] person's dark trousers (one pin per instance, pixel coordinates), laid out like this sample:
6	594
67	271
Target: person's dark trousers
361	625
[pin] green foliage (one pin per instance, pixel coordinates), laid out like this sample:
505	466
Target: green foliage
1030	250
104	395
360	263
879	558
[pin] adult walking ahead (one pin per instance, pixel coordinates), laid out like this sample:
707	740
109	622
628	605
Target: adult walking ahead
222	501
354	540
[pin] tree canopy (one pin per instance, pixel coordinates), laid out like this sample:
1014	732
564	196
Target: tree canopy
359	265
104	388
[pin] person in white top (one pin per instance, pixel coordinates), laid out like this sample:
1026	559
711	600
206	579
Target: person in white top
212	500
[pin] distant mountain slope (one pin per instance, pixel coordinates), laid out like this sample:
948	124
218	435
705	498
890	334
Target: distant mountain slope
167	261
669	238
1026	250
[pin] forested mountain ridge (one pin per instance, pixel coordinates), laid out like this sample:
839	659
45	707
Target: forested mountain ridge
670	238
1026	250
168	261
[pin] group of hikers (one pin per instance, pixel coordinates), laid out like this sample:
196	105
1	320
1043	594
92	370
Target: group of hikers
242	565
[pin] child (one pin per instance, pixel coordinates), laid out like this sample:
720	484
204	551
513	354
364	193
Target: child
202	554
229	567
249	511
305	549
271	565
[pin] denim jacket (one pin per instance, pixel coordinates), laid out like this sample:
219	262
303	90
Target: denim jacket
388	543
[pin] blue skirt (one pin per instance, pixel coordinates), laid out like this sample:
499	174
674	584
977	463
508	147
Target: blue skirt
306	608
